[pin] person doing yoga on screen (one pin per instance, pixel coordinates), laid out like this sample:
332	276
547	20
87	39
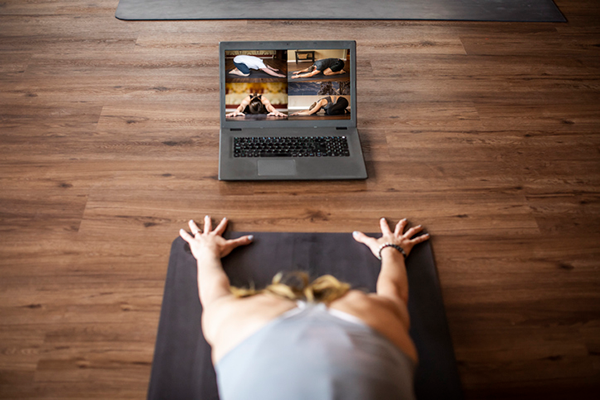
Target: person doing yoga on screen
332	105
243	65
318	340
255	104
326	66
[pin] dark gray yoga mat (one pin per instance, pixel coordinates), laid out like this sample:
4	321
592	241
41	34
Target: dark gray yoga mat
459	10
182	367
321	78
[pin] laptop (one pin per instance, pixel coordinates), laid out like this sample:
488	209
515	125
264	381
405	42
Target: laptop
288	111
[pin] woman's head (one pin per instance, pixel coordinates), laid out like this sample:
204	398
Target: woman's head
313	105
296	286
337	66
256	106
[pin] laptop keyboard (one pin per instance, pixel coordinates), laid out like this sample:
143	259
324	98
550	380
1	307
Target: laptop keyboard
306	146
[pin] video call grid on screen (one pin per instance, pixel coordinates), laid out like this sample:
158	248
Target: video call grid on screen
287	83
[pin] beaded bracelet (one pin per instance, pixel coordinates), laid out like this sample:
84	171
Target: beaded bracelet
395	246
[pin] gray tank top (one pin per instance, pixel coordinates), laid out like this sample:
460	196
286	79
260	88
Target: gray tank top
313	354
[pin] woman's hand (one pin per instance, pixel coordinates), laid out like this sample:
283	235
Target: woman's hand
397	237
211	243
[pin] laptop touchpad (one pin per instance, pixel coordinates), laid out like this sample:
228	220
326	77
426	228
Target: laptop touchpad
276	167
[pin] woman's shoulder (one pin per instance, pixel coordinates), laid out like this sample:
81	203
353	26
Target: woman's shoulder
356	299
260	306
389	318
234	319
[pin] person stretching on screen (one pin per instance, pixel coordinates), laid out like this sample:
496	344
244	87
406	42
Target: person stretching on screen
309	341
327	66
243	65
332	105
255	104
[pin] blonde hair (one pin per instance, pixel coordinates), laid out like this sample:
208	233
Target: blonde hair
324	289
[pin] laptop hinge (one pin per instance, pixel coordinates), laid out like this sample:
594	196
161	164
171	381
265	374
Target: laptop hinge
341	128
235	129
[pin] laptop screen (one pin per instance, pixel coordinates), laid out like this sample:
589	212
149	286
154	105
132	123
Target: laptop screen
279	84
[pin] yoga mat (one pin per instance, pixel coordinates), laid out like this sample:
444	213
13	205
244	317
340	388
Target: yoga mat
254	74
461	10
182	367
321	78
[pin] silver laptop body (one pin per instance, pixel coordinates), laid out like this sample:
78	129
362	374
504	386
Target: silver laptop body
271	144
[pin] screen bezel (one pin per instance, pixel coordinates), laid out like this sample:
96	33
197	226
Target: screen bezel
288	45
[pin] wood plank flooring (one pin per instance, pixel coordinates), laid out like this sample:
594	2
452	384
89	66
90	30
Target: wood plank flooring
485	133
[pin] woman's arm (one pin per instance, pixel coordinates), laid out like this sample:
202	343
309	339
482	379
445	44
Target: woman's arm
392	282
270	108
208	248
240	109
271	71
307	75
226	320
312	111
305	112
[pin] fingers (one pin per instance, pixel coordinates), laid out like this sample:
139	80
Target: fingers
420	239
360	237
412	231
400	227
244	240
221	227
368	241
398	237
233	243
207	224
385	228
185	236
194	228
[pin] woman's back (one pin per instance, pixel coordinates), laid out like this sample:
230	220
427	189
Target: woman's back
315	353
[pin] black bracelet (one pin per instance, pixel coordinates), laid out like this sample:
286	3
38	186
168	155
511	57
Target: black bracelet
395	246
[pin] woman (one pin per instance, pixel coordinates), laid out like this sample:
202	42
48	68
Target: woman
243	65
332	105
255	104
336	343
327	66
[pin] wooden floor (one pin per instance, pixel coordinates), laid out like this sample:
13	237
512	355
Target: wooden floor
488	134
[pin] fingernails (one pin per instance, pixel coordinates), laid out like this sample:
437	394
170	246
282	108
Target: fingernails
251	237
403	219
354	233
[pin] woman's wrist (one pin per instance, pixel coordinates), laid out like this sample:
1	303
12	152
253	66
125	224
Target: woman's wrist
389	248
391	259
208	255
